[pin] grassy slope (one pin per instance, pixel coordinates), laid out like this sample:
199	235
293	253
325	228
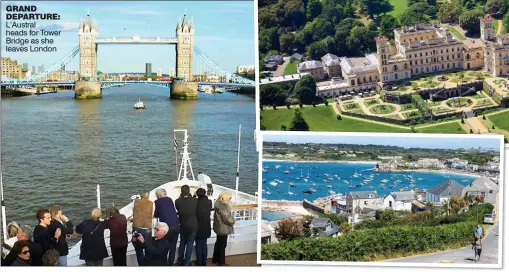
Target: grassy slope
291	68
449	128
455	32
399	7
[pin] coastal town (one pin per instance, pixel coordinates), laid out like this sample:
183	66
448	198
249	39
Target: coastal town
391	186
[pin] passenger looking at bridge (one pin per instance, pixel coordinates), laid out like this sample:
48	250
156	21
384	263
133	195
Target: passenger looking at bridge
93	248
25	234
50	258
42	235
166	213
186	208
22	250
203	209
117	224
156	248
223	226
142	223
12	231
60	221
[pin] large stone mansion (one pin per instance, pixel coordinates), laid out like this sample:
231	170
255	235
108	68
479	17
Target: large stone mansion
417	50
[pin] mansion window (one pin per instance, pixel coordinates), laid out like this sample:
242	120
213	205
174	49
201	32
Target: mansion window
426	53
452	56
446	50
420	54
421	61
442	58
395	67
453	65
426	60
447	57
441	51
459	55
452	50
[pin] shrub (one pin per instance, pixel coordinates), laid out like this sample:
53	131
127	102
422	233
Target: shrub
493	127
274	106
300	105
338	117
314	105
483	117
261	107
288	105
462	121
283	127
326	103
288	229
361	245
471	131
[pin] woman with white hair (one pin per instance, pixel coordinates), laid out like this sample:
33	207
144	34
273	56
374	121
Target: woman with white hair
93	248
223	226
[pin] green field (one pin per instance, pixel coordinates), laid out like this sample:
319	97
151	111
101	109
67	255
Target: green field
399	7
500	120
449	128
322	119
291	68
455	32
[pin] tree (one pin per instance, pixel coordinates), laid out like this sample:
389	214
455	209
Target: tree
283	127
313	9
269	40
333	15
449	12
298	122
387	26
415	85
504	6
424	8
457	203
483	117
492	7
271	94
267	17
305	89
462	120
410	17
375	7
338	117
326	103
493	127
288	229
345	228
286	42
469	20
505	22
361	40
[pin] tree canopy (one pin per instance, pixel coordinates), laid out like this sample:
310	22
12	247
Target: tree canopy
298	122
469	20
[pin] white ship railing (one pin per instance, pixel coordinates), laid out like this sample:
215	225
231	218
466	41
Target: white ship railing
245	212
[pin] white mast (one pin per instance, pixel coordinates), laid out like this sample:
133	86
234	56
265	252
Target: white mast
238	167
185	158
4	223
98	196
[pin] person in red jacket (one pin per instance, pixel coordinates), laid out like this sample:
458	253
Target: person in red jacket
117	224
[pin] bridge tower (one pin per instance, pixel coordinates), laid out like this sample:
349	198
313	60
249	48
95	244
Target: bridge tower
184	87
87	85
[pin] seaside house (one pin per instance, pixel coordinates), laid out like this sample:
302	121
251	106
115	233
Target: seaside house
363	202
419	206
324	227
443	191
268	233
399	201
484	187
428	163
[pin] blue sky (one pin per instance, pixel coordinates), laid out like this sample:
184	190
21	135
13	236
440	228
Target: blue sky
391	140
224	32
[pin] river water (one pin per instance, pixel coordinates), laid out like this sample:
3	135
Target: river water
56	149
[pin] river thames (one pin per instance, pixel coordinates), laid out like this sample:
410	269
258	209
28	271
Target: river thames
56	149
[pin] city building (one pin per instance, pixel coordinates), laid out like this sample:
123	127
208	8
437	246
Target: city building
399	201
25	66
313	67
272	61
40	68
363	202
331	64
245	69
148	69
159	72
296	57
442	192
34	71
323	227
484	187
11	68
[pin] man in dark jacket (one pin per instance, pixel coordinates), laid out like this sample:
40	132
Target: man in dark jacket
203	209
186	208
60	221
25	234
165	212
156	249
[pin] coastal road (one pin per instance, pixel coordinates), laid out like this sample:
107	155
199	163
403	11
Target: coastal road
464	255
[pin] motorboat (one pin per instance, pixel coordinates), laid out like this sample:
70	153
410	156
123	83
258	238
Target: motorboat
139	105
244	210
287	172
292	184
273	183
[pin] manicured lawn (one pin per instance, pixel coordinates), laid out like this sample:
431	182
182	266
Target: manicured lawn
455	32
449	128
439	110
382	109
483	102
399	7
501	120
322	119
291	68
370	102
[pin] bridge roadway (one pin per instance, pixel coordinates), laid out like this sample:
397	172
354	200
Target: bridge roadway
105	84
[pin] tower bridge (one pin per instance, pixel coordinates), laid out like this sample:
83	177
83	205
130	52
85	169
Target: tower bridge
184	86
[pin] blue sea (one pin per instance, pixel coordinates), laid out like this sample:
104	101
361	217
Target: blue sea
340	176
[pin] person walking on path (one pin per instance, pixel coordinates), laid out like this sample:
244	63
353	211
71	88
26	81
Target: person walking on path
186	208
142	223
60	221
117	224
477	247
41	233
478	232
93	248
223	226
203	209
166	213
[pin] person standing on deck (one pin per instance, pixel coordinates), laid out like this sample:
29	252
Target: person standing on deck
223	226
93	248
156	248
142	223
203	209
60	221
165	212
25	234
117	224
22	251
186	208
41	233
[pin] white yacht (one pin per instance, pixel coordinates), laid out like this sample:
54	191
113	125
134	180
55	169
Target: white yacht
139	105
244	209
